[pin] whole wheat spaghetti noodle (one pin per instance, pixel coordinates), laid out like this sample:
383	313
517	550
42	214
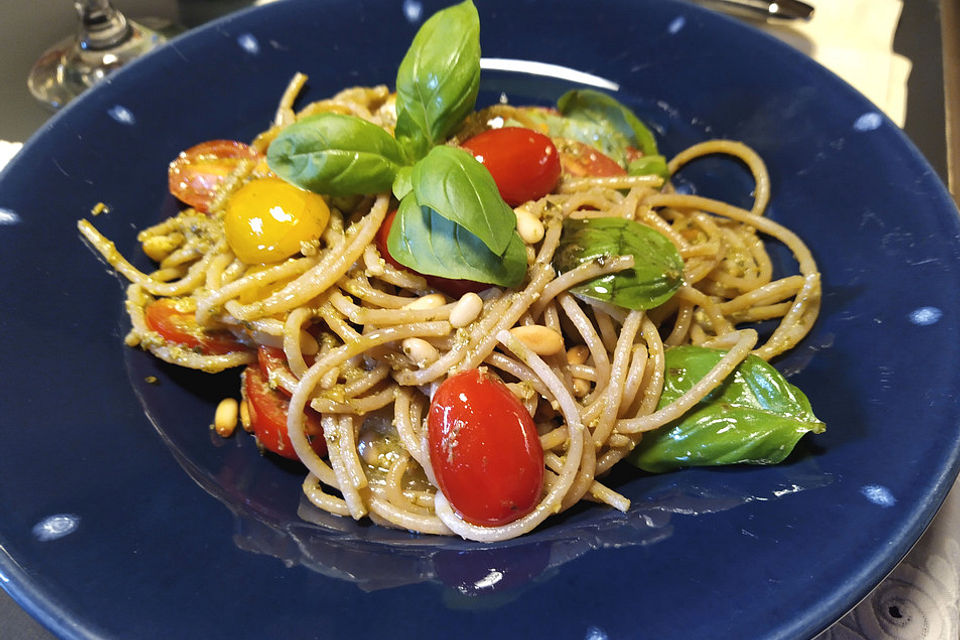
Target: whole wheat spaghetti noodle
366	343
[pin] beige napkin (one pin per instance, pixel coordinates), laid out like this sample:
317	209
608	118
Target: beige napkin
854	39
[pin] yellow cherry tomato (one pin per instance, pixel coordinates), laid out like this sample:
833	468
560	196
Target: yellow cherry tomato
268	220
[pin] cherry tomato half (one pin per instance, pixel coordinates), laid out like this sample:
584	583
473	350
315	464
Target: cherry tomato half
524	164
196	173
268	417
484	449
181	328
453	288
580	160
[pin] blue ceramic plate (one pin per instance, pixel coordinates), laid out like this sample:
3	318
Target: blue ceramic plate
120	514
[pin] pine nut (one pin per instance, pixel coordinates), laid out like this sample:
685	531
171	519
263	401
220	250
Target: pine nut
581	387
421	352
466	310
245	416
429	301
529	226
620	441
540	339
159	247
578	354
225	418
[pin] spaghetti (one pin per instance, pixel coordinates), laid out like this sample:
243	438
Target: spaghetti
365	343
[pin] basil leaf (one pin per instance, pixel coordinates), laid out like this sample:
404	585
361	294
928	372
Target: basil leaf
438	79
657	271
648	165
597	134
430	243
402	183
754	417
457	186
336	155
593	106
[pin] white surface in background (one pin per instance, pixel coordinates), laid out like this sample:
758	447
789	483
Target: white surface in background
854	39
7	151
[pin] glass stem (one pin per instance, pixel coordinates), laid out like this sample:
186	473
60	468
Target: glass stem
101	26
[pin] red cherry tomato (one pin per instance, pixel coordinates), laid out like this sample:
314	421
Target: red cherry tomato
484	449
580	160
196	173
382	234
453	288
181	328
524	164
268	417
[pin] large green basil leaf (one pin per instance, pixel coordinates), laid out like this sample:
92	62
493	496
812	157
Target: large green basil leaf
457	186
438	79
336	155
755	416
430	243
657	270
600	108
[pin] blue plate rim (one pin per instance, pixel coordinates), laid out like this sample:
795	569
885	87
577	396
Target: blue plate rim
43	606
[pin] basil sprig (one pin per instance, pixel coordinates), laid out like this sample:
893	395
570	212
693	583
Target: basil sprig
451	221
754	417
657	270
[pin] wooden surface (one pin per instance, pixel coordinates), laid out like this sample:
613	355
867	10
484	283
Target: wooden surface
950	34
